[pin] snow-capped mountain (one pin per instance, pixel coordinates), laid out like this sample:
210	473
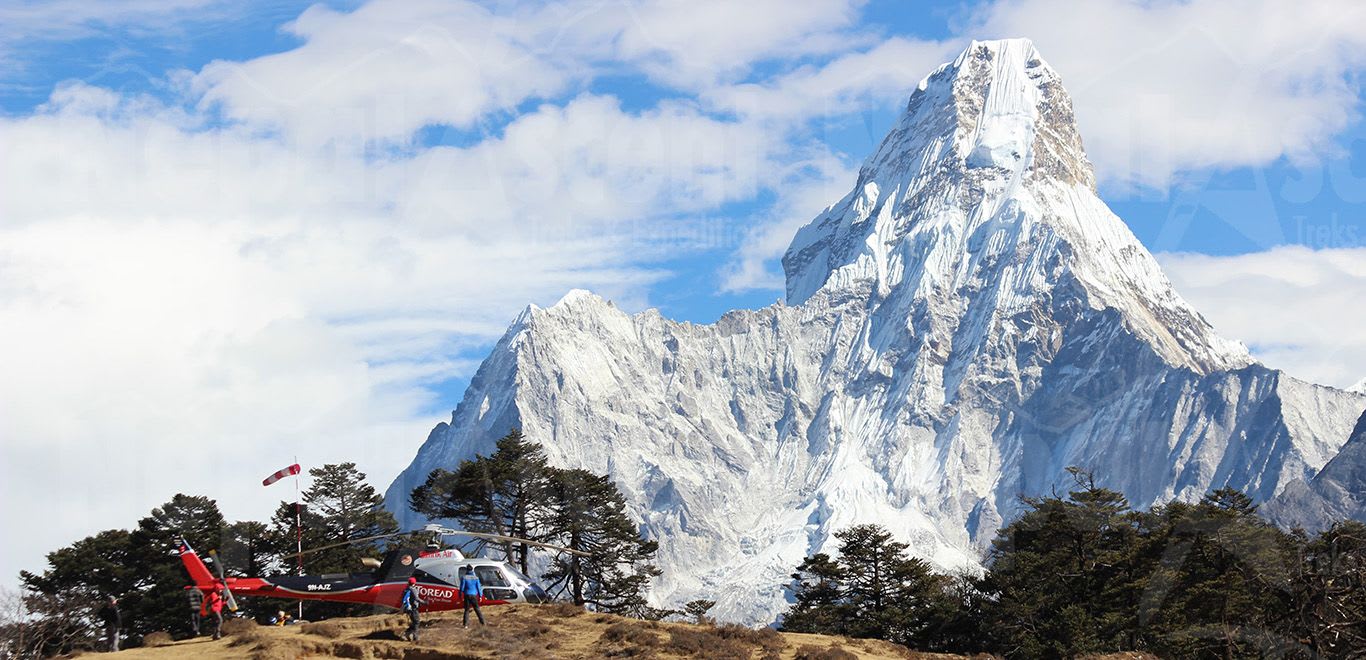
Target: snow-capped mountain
969	320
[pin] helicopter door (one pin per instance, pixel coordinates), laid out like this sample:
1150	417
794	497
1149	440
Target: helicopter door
496	585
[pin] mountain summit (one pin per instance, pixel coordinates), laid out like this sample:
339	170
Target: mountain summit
983	188
965	324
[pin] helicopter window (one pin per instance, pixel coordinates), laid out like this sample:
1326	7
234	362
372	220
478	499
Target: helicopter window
500	594
490	576
518	575
424	576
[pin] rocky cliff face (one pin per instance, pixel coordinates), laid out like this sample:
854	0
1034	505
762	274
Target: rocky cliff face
1337	492
965	324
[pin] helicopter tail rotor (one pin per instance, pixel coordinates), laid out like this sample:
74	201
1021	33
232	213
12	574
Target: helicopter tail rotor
227	593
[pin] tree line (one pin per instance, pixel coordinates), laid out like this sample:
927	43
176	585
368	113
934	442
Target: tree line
512	492
56	610
1086	574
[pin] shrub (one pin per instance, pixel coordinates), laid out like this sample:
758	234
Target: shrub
238	625
326	629
808	652
563	610
631	633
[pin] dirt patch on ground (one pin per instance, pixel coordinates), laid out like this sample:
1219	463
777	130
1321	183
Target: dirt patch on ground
524	631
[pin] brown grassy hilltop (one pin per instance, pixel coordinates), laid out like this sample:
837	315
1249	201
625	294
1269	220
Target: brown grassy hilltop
522	631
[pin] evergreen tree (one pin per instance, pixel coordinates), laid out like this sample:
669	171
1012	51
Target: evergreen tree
338	506
342	506
875	589
502	494
817	589
247	549
1330	599
1223	582
61	602
697	609
160	602
1059	585
587	513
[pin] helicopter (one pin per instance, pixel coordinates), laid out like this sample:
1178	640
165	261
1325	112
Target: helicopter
437	571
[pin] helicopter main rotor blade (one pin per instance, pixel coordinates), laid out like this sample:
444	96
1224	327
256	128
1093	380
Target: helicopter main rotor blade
342	543
446	531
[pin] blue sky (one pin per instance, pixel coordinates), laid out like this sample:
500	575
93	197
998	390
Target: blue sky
276	228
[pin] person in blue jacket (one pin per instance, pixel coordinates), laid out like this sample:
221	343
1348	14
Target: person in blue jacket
469	591
412	602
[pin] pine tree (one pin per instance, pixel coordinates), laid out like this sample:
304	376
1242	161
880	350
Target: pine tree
1224	582
502	494
874	589
160	603
1060	583
338	506
342	506
587	513
248	549
817	589
697	609
1330	598
61	602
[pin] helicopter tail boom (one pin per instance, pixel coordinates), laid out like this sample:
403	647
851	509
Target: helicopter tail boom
199	572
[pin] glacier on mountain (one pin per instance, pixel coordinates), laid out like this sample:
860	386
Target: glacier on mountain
967	322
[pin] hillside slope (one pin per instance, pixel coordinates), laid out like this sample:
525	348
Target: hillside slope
523	631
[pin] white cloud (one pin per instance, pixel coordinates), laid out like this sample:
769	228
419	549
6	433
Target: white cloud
1166	86
698	43
183	307
385	70
881	75
586	165
391	67
1299	310
67	19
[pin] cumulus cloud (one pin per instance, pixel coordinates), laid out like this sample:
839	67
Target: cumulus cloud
184	304
1297	309
881	75
386	69
696	44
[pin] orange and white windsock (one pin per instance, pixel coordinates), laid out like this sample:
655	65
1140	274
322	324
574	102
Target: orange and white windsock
287	472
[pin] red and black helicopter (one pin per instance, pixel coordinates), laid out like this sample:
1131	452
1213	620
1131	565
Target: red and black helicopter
438	574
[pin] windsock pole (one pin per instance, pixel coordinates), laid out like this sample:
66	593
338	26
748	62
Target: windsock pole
298	533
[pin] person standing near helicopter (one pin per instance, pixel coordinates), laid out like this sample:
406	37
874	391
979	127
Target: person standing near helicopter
113	621
196	596
412	603
213	604
470	588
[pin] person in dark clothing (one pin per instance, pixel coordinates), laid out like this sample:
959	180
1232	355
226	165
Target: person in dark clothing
213	604
113	621
196	596
469	592
412	602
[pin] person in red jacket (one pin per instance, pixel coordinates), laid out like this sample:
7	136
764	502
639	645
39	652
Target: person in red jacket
213	603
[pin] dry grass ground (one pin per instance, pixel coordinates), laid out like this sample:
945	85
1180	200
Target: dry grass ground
527	632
